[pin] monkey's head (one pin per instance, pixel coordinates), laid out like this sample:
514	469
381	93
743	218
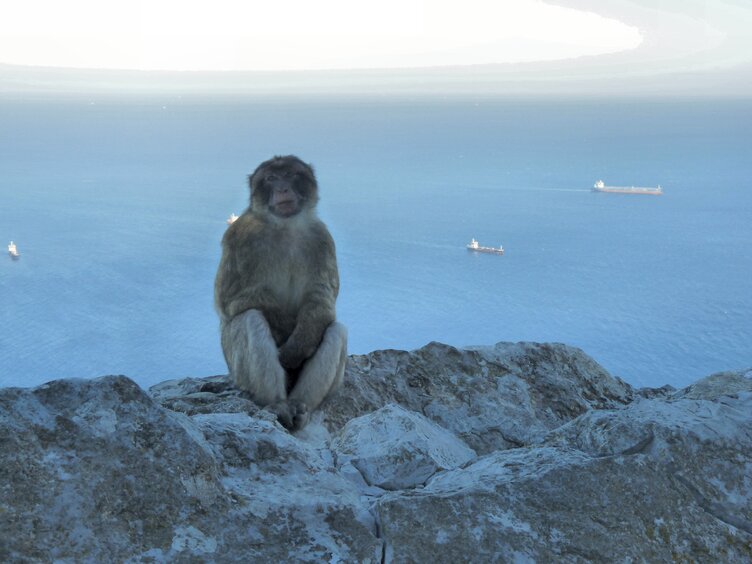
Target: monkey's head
283	186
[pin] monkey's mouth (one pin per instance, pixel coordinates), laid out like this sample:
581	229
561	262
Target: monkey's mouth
286	207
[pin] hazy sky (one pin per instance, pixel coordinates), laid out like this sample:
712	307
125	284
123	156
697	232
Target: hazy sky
299	34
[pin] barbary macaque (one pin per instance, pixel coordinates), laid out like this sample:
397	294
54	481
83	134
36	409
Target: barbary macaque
275	293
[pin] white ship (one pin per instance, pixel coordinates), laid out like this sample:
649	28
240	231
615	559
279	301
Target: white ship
474	246
13	251
600	186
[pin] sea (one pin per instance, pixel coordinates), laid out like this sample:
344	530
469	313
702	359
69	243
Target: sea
118	205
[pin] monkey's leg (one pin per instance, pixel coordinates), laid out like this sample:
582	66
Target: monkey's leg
322	374
252	358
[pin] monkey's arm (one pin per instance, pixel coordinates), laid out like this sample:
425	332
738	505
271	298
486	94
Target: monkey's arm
318	309
236	291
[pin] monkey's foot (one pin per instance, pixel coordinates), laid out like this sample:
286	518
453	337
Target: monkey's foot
282	411
292	415
300	414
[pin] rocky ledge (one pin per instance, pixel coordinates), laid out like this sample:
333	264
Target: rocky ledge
513	453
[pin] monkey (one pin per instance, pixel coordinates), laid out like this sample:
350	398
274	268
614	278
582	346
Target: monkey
275	293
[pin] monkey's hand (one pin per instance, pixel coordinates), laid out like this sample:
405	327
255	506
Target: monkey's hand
313	319
291	356
280	324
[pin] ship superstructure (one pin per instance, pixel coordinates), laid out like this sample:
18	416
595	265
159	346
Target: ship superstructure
13	250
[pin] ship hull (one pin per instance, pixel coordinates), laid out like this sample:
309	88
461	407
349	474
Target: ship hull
627	190
489	250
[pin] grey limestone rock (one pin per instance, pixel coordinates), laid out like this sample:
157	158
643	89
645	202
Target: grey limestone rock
495	397
397	449
510	453
96	471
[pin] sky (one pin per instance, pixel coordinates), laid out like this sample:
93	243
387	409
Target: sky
390	47
221	35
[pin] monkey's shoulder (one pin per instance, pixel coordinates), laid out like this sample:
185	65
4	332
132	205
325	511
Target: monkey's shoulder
316	241
303	232
247	227
320	231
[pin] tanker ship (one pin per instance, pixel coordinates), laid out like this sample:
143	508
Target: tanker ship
601	187
474	246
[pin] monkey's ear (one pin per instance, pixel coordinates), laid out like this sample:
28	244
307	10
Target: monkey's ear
250	188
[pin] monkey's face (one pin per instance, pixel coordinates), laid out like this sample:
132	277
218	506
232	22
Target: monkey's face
284	199
283	186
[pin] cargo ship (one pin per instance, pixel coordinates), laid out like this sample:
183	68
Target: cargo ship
474	246
601	187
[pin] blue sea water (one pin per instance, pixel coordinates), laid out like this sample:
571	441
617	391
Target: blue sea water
118	207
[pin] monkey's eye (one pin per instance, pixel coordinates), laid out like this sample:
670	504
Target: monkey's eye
270	177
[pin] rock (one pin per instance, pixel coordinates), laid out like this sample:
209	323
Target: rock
549	504
97	471
286	495
504	396
517	452
203	395
654	481
717	385
394	449
652	393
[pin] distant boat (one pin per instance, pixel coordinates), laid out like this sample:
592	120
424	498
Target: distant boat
13	251
232	219
474	246
601	187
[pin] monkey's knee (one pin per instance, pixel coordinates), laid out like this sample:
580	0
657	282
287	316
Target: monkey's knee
252	360
237	332
239	336
339	332
339	337
324	371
